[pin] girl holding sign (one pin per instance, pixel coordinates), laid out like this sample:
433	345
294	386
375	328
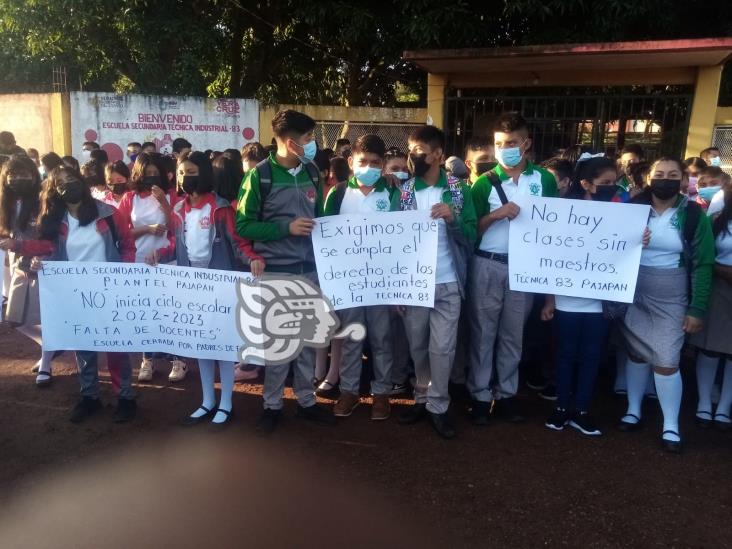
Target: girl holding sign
581	327
20	187
147	211
714	341
206	238
681	249
73	226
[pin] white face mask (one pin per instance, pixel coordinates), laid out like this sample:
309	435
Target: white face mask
715	161
86	154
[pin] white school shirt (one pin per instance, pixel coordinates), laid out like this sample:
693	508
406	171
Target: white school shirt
665	248
571	304
84	243
198	226
146	211
495	238
355	202
426	198
717	203
724	247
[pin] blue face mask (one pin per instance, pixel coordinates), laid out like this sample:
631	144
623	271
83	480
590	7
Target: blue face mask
366	175
707	193
401	176
509	157
309	150
715	161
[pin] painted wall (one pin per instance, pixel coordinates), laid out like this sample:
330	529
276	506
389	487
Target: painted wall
29	117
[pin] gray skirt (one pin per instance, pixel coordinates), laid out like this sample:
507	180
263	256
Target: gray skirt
653	325
24	304
716	336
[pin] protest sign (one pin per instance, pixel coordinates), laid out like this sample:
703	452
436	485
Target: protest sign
135	307
377	259
580	248
115	120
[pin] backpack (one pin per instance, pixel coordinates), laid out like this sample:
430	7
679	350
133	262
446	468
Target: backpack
498	185
454	186
264	169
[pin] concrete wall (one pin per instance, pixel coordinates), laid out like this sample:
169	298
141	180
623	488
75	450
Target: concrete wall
36	120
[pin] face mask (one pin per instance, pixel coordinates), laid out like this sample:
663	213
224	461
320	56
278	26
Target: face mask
86	154
133	157
510	157
118	188
715	161
691	190
190	184
366	175
72	192
401	176
148	181
663	189
604	193
309	150
482	167
707	193
20	186
418	164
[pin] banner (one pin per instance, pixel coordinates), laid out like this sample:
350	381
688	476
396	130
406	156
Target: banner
128	307
377	259
578	248
115	120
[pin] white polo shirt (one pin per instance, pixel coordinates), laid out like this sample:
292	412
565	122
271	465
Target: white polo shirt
666	245
84	243
724	247
427	196
377	199
198	227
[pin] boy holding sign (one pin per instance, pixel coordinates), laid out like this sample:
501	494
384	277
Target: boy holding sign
366	192
432	333
498	314
278	202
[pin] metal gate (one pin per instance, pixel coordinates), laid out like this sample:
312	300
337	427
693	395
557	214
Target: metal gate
722	139
393	134
604	123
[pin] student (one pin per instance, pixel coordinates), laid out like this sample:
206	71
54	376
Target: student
714	342
34	156
117	176
343	147
75	227
366	192
99	156
694	166
712	156
147	210
339	173
180	147
395	163
631	154
20	187
227	177
206	238
456	168
93	174
251	155
432	332
70	162
580	325
148	147
562	170
480	157
277	204
717	203
709	184
498	314
681	248
86	149
133	149
49	161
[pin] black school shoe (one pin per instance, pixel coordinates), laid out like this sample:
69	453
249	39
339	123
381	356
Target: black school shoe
507	409
316	413
443	425
671	446
480	413
126	410
86	407
558	419
268	421
583	422
416	413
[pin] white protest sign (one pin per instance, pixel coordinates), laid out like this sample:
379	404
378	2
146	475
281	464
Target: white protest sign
377	259
126	307
115	120
580	248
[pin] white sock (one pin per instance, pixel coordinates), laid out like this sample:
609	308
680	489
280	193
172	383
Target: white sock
321	361
226	374
636	374
621	358
45	362
669	396
207	370
725	399
706	369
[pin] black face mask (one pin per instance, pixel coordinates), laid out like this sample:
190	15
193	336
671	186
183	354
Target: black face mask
663	189
72	192
118	188
483	167
604	193
148	182
190	184
20	186
418	164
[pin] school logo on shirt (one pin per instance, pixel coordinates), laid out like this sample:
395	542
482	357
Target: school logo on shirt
277	317
310	195
674	221
382	205
535	188
204	223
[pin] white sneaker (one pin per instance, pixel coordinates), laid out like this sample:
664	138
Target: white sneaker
147	368
178	371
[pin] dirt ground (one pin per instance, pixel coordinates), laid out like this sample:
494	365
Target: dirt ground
151	483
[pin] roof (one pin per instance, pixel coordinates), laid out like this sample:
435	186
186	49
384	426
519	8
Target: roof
680	55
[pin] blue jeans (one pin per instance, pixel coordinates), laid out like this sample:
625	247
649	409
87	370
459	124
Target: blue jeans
581	343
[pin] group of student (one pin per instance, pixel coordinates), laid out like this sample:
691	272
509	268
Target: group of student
254	210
